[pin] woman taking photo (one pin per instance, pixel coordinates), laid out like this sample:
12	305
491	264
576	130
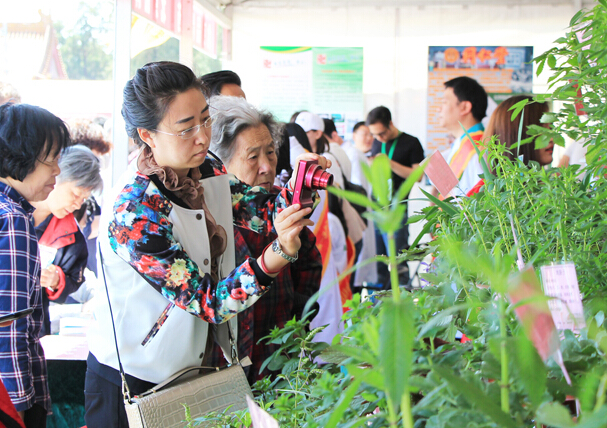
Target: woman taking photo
167	243
244	138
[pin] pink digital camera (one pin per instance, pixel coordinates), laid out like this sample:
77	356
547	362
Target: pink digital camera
310	176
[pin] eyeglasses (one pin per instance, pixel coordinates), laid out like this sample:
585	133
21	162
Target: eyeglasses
381	134
190	132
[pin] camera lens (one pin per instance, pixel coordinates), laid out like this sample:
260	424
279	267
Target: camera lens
319	179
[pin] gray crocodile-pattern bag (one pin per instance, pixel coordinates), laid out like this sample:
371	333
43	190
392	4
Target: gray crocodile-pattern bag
163	405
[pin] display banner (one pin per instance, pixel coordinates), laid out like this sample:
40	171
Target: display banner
502	70
326	81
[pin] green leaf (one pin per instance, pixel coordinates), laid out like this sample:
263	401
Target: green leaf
540	67
354	197
406	187
517	108
475	396
551	61
368	375
343	403
397	332
572	22
555	415
381	174
438	319
333	355
359	353
542	141
558	139
531	369
548	117
448	208
595	420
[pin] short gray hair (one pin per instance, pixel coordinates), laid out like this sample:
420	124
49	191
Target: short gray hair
80	165
231	116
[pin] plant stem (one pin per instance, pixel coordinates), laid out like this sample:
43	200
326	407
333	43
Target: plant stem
393	267
600	393
504	358
392	416
406	409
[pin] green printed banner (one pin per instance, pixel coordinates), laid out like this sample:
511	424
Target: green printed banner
327	81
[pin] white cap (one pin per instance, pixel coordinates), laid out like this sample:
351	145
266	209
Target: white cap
310	121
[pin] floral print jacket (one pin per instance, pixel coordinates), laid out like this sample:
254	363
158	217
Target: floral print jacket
141	234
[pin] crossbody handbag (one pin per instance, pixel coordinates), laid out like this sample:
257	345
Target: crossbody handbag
163	405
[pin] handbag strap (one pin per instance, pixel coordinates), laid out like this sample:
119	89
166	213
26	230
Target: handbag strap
125	387
221	341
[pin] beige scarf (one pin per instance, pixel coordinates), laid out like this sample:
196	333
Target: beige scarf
190	191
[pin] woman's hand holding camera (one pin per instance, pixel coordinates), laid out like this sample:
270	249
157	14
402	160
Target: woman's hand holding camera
288	224
323	162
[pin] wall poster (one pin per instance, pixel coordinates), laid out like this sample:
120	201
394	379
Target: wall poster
502	70
326	81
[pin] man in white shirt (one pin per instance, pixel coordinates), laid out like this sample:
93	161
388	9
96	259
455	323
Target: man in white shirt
363	140
464	106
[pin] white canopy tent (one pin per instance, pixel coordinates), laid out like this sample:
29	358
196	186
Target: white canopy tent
395	35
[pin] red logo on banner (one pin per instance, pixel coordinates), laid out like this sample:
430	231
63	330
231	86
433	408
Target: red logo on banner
267	63
321	59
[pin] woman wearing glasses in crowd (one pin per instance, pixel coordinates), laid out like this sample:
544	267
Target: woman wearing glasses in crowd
167	243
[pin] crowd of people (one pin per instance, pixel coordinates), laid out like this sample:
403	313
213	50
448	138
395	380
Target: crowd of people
199	239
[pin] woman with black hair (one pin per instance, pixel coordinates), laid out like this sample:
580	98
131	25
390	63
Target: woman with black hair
167	243
31	140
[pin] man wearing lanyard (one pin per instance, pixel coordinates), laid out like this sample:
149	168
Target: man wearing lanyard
405	153
464	106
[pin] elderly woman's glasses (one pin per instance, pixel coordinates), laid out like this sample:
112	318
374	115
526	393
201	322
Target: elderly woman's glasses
190	132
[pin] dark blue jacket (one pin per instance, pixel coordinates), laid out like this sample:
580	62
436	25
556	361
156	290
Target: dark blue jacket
65	236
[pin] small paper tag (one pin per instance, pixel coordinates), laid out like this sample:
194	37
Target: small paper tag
535	313
441	175
47	255
560	282
259	417
245	362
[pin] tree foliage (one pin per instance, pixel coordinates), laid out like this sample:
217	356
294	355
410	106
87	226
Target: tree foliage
84	54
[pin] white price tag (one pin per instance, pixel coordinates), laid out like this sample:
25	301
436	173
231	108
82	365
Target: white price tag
47	255
560	282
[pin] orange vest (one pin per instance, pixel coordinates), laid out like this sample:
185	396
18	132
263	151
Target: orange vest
323	235
344	284
466	150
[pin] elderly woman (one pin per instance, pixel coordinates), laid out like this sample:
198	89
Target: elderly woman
245	139
167	243
62	245
91	135
31	140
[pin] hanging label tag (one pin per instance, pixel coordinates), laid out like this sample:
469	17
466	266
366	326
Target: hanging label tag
47	255
245	362
440	173
535	314
560	282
